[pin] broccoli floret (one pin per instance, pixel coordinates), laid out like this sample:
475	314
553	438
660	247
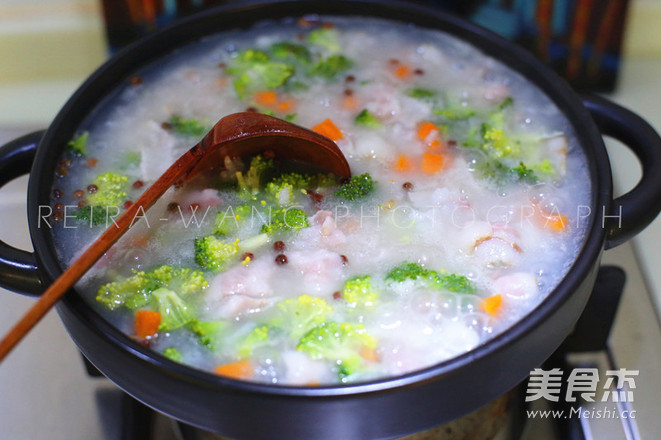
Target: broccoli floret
208	332
187	127
286	219
326	38
231	219
291	117
497	143
430	278
111	190
136	291
213	253
287	50
257	337
296	180
249	183
524	174
94	215
359	292
544	167
357	187
419	93
299	315
173	354
78	145
281	192
343	344
506	103
175	313
330	67
455	113
253	70
367	119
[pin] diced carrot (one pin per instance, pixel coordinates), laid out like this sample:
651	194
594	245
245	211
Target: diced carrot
236	370
369	354
492	304
312	384
147	323
265	98
402	71
328	129
432	163
285	106
425	129
555	222
435	146
350	103
403	164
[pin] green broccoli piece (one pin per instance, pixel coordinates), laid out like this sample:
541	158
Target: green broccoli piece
326	38
291	117
367	119
231	219
299	315
430	278
213	253
342	344
524	174
295	180
287	50
497	143
187	127
175	313
455	113
286	219
173	354
358	187
136	291
253	70
111	190
78	145
359	292
330	67
94	215
544	167
419	93
281	192
208	332
256	338
507	102
250	182
251	56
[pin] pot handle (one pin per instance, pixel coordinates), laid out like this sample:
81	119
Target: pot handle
633	211
18	268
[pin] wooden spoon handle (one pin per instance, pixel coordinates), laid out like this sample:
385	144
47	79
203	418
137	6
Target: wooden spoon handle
96	250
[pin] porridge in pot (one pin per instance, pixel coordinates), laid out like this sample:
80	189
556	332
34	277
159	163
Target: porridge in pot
463	212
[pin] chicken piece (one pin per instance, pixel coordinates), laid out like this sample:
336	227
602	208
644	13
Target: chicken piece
320	270
517	285
240	290
301	370
472	234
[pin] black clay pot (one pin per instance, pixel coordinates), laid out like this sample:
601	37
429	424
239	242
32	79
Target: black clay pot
375	410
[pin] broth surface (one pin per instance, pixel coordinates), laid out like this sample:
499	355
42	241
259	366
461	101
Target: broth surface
478	207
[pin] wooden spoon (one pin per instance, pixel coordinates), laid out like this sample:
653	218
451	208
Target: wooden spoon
235	135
